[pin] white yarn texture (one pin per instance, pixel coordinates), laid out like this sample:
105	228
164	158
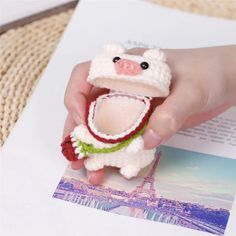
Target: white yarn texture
152	80
130	159
158	75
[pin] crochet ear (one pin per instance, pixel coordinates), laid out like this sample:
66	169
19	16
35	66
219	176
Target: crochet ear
155	54
113	48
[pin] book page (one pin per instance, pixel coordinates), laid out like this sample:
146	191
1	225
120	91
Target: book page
193	183
216	136
183	188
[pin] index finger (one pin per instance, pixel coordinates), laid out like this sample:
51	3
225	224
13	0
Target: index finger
77	91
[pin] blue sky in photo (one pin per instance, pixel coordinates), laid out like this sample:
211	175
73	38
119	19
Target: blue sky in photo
196	177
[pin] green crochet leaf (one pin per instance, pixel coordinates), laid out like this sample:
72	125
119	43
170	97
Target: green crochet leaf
89	148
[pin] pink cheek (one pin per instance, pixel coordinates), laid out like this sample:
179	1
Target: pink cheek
127	67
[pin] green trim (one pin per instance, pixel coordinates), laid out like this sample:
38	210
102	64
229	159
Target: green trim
89	148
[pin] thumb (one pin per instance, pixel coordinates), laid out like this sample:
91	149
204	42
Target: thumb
184	100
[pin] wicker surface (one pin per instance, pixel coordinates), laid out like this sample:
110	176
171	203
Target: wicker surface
216	8
26	51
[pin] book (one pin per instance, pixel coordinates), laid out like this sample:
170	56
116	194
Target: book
190	187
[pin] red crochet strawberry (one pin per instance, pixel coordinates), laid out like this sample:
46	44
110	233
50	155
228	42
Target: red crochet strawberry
68	150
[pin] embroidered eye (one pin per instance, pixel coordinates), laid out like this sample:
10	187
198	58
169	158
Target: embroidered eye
115	59
144	65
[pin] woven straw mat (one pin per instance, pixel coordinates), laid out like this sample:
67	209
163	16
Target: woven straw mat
25	52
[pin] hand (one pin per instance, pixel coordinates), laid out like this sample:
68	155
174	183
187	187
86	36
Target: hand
203	85
78	93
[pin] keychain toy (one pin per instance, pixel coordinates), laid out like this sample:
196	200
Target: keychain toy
115	122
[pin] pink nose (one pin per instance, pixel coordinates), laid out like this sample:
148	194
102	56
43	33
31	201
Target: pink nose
127	67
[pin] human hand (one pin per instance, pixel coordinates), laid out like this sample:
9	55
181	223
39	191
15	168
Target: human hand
203	85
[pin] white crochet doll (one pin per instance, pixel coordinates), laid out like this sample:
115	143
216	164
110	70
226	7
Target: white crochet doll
116	121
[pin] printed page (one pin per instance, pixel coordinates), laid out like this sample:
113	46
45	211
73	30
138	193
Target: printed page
183	188
216	136
188	190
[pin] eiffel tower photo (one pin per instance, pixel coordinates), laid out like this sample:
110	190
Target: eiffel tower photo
142	200
146	190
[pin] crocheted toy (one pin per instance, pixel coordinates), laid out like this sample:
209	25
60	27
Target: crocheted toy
116	121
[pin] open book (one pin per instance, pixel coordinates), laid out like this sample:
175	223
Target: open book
188	190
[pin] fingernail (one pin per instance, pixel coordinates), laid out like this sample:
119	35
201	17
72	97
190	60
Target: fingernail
77	118
95	177
151	139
